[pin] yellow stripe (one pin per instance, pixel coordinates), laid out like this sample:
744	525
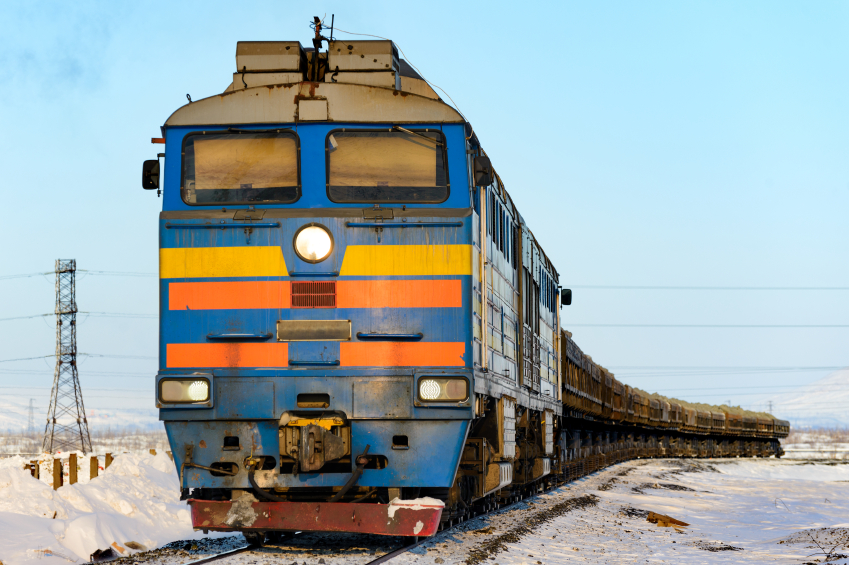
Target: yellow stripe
406	260
195	262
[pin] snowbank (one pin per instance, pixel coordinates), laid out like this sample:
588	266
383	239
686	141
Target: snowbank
772	470
135	500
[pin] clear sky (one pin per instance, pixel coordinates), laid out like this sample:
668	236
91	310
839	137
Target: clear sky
699	143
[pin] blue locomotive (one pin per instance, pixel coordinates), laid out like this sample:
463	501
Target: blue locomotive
358	331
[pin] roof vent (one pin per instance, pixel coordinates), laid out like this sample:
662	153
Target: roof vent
373	63
260	63
270	56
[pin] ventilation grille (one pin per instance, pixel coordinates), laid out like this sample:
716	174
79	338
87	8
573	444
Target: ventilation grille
314	294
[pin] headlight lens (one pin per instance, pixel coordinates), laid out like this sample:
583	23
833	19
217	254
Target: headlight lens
184	390
442	389
313	243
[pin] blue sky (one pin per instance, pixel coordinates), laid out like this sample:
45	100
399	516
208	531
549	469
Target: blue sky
647	144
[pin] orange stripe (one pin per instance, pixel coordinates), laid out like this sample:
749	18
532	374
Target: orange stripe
393	354
227	354
228	295
350	294
399	294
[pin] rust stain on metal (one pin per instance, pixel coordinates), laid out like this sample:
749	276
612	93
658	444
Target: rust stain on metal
202	443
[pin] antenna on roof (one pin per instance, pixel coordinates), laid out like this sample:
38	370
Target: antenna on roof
332	18
316	43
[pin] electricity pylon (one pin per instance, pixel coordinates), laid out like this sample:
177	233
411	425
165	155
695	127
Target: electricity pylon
31	418
67	427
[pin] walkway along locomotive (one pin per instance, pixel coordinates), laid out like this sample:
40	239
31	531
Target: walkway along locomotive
358	330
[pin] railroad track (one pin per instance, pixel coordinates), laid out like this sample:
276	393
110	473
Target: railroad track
382	558
248	548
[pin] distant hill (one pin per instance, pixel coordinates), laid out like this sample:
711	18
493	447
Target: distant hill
821	404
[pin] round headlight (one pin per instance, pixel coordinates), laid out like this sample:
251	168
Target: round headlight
313	243
429	389
199	390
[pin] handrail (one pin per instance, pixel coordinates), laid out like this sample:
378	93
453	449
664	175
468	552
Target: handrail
402	224
293	362
221	226
262	336
361	335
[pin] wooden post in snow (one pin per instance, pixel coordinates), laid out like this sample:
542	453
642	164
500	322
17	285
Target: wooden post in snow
57	474
72	469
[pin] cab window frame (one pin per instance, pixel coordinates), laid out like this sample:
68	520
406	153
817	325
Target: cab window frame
236	132
442	139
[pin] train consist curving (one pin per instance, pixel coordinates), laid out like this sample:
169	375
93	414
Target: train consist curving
358	330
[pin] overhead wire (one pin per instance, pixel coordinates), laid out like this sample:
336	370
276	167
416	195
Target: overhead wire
85	313
108	356
409	62
86	271
618	287
706	325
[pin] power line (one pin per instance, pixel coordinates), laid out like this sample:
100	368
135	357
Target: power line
118	273
678	367
98	314
120	315
25	359
87	272
27	317
616	287
86	354
119	356
674	374
708	325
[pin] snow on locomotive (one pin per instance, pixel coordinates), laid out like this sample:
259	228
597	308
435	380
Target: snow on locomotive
338	349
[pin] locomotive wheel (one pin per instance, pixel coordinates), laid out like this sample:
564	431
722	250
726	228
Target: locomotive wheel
256	539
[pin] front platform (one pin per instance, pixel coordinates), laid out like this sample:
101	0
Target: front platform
418	517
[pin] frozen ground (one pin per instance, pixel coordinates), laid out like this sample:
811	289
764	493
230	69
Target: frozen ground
135	500
817	443
103	440
739	511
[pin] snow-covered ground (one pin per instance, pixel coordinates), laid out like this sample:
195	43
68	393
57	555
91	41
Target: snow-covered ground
135	500
738	511
103	440
823	443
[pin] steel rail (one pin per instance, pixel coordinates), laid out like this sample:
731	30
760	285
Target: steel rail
396	552
387	556
218	556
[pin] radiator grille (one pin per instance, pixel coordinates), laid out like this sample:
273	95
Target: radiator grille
314	294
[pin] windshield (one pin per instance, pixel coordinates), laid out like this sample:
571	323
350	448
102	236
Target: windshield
386	166
240	168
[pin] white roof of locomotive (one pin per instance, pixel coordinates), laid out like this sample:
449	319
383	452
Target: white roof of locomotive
270	87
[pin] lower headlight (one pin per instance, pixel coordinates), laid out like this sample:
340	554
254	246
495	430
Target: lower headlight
183	390
443	389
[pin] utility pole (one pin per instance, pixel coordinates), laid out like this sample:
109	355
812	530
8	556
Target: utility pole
31	418
67	427
769	403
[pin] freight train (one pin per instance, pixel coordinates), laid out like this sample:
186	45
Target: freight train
358	329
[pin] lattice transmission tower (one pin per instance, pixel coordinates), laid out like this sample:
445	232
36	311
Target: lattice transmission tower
31	418
67	427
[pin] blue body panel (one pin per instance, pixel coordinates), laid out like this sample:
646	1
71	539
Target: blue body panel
378	402
431	460
313	173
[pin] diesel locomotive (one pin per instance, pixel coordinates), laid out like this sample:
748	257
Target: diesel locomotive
358	330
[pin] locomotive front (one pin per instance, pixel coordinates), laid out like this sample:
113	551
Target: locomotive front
316	268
